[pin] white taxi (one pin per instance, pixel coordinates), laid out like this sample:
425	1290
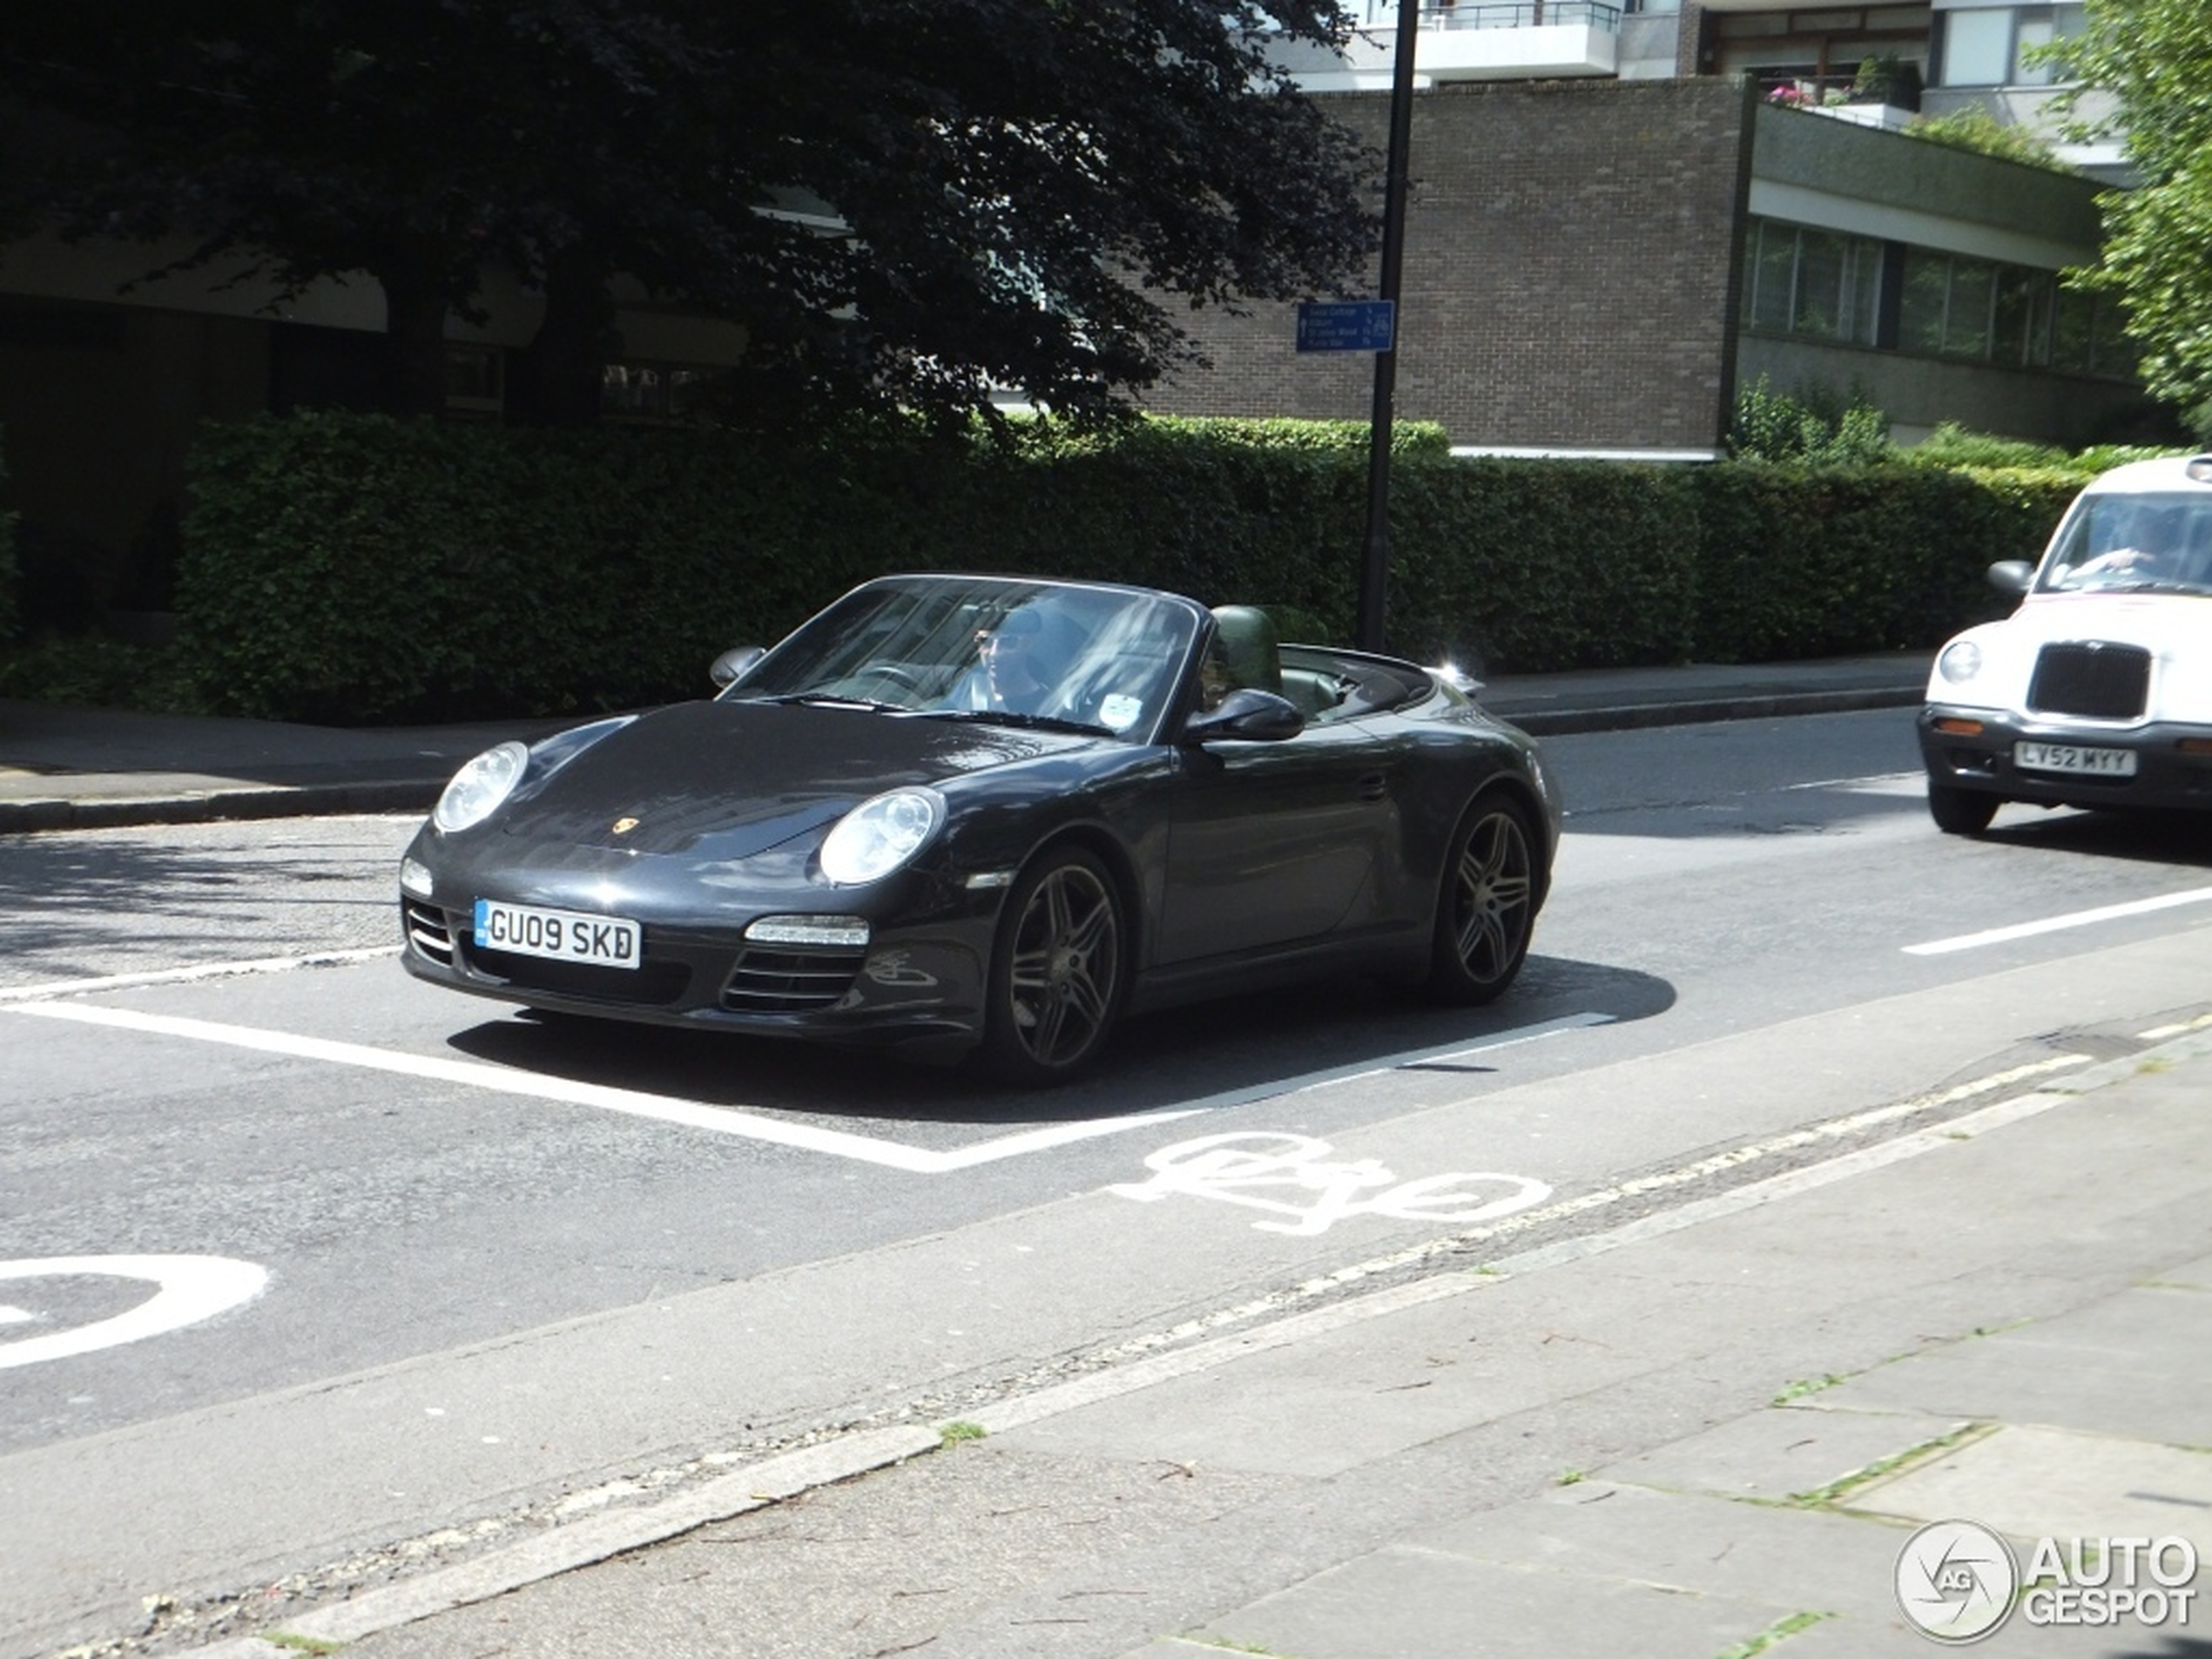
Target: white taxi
2097	690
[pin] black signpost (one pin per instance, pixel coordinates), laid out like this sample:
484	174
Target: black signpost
1374	568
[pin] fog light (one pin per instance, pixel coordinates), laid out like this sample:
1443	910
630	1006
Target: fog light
415	878
844	932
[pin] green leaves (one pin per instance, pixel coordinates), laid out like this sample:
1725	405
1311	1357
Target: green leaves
359	570
2153	59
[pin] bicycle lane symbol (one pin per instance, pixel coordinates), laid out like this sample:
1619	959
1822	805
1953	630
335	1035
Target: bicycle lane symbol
187	1289
1291	1176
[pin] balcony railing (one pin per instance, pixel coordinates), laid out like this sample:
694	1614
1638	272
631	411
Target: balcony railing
1505	14
1521	14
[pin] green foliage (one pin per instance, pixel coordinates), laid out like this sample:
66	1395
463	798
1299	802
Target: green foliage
1821	562
1977	129
1032	193
97	670
2155	58
1527	565
1814	426
359	569
10	610
1953	445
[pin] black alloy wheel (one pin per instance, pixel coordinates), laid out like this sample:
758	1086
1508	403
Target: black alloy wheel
1486	913
1056	978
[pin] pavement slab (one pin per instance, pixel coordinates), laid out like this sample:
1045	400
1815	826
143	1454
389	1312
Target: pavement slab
1783	1453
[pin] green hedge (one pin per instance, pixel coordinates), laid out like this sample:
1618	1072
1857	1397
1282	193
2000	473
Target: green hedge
10	604
356	568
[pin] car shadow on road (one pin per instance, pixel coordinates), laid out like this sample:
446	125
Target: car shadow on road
1253	1045
2148	838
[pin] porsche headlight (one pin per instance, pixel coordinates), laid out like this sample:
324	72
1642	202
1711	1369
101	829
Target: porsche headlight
879	835
478	787
1960	662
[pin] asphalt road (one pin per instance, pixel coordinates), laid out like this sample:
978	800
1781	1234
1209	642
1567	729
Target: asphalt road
472	1222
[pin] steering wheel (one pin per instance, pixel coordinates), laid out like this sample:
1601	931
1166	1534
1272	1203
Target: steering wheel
897	673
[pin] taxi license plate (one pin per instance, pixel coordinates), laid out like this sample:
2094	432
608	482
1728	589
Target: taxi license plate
563	935
2074	758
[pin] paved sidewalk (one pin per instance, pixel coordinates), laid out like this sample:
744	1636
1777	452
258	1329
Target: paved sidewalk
76	768
2004	1320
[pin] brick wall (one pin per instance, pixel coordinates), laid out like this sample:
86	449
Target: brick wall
1569	276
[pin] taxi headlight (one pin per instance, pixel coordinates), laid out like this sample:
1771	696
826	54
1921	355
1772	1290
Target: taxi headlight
880	834
1960	662
478	787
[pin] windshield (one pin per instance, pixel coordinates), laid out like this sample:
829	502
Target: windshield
988	648
2142	542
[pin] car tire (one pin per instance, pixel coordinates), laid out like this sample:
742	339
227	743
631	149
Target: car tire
1485	907
1960	811
1058	972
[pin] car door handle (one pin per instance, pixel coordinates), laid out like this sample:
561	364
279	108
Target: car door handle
1373	785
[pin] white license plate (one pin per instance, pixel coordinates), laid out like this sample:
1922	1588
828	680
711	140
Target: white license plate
523	930
2073	757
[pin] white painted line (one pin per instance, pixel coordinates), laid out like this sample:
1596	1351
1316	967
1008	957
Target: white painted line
188	976
536	1086
2059	924
187	1290
720	1120
15	1316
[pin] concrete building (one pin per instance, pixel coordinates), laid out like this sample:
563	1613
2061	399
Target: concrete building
1617	220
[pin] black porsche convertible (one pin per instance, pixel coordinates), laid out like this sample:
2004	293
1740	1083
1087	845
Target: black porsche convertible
961	813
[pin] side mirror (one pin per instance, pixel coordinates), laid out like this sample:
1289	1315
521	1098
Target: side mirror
1246	717
2012	576
730	665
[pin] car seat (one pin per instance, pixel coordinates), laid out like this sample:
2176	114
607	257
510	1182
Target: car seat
1245	645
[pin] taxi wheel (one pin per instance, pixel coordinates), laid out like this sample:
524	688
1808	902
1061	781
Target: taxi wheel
1960	811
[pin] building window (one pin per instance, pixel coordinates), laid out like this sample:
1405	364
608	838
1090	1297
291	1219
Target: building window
1823	285
1994	45
474	380
637	391
2008	315
1813	282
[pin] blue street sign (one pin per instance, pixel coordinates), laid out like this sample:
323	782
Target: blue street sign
1348	325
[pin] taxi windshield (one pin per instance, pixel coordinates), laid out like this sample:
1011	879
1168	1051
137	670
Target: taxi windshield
2135	541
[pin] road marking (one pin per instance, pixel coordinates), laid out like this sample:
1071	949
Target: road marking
1245	1167
2059	924
188	1289
187	975
722	1120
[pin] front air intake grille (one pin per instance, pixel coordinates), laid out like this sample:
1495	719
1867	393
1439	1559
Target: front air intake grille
775	981
2096	681
424	925
660	984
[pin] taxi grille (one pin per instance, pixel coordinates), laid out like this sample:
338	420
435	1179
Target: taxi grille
789	982
2097	681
